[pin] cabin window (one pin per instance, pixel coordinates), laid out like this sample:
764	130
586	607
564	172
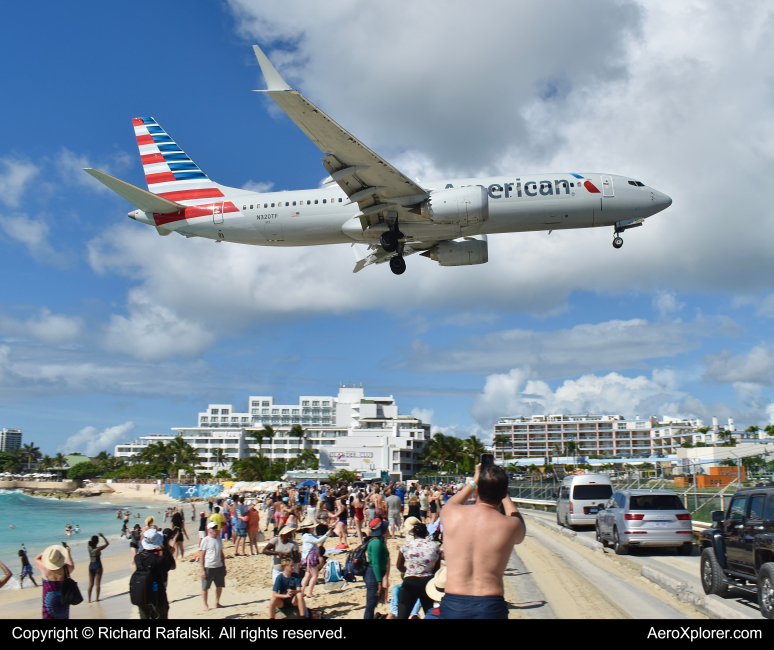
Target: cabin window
251	206
325	200
265	205
339	200
286	204
309	203
272	205
294	202
315	201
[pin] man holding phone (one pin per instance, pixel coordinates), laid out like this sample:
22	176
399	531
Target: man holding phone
478	540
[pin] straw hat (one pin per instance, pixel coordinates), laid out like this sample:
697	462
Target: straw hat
287	530
410	523
54	557
149	521
306	523
437	585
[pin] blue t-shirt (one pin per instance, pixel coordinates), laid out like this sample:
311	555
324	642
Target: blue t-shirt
240	511
282	584
400	492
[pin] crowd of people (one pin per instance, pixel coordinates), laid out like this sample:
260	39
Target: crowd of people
452	545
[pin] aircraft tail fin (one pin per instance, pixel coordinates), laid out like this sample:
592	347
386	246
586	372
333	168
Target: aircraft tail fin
169	171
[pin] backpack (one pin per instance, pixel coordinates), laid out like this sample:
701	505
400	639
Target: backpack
356	564
144	589
333	571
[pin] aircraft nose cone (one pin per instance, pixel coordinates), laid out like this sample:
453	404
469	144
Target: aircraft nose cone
131	216
661	200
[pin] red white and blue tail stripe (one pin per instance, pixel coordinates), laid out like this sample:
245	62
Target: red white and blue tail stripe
169	171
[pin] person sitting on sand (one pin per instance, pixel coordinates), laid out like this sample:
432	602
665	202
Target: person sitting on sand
287	590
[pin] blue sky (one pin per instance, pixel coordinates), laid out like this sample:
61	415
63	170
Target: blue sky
108	331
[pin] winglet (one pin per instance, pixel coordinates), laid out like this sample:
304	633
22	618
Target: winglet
273	79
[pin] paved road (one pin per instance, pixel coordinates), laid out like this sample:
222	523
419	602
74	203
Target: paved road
683	568
549	576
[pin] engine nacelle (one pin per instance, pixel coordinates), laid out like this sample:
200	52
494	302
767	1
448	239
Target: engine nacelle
465	206
463	252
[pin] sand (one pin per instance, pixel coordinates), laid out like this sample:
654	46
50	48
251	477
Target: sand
247	593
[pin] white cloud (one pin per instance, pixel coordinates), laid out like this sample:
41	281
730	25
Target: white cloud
70	166
153	332
90	441
615	344
755	367
426	415
666	303
14	178
34	234
45	327
258	186
518	393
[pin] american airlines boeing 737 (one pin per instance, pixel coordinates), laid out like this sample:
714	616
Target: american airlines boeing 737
365	200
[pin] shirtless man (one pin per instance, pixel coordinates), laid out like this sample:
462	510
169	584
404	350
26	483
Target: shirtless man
477	544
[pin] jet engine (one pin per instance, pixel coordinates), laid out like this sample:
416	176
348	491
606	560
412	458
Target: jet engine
465	206
463	252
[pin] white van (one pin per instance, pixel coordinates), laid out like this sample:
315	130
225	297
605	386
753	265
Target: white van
581	497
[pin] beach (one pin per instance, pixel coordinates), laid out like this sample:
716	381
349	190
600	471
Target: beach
247	592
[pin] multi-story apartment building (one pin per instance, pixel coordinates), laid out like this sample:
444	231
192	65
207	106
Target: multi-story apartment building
10	439
539	436
349	430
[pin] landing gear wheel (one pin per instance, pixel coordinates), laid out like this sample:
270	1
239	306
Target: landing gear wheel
766	590
618	547
712	579
389	241
600	539
398	265
617	242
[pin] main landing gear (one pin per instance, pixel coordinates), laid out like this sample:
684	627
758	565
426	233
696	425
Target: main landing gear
617	241
390	242
398	265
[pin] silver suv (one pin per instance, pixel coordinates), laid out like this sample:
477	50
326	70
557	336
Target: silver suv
645	518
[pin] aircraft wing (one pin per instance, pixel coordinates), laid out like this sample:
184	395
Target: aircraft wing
367	179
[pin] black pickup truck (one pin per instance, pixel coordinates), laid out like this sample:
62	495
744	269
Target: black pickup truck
738	551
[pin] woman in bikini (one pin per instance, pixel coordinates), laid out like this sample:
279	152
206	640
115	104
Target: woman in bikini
95	562
341	515
359	506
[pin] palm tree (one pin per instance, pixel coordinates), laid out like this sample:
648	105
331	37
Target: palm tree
184	455
259	435
13	462
500	440
254	468
297	431
156	453
219	457
30	453
102	456
60	460
571	447
308	460
46	462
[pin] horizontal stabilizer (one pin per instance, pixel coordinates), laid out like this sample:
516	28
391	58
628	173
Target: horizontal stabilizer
139	198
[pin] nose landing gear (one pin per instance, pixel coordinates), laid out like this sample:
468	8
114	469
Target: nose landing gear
617	241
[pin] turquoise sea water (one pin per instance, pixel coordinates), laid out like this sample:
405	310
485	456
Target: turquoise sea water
38	523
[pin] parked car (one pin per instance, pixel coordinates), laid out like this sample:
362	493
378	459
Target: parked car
652	518
738	551
580	498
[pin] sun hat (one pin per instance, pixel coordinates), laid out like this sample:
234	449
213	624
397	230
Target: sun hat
54	557
287	530
410	523
436	587
149	521
379	529
212	524
152	539
306	523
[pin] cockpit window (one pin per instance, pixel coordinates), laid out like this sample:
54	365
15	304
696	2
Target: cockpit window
636	183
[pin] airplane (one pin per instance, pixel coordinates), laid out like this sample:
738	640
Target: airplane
366	201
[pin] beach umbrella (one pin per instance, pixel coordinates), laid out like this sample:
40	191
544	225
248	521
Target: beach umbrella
307	483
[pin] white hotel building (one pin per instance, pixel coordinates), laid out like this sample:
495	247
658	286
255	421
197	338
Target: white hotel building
537	436
350	431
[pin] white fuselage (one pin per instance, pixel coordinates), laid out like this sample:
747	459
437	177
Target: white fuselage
322	216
